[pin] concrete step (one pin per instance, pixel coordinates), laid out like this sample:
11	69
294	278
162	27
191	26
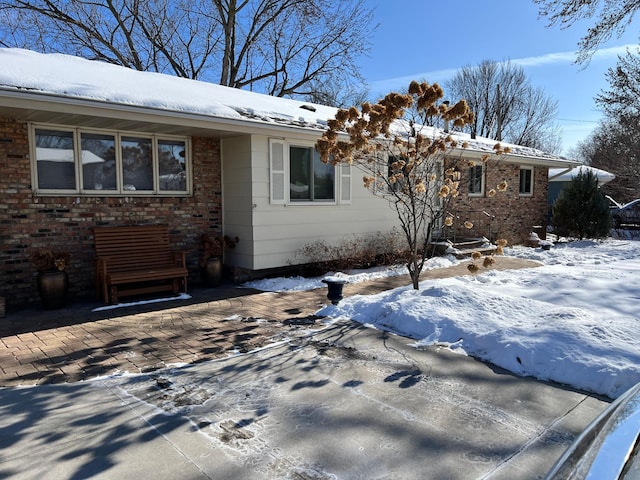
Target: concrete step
463	248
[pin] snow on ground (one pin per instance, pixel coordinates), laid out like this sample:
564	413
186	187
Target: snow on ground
290	284
573	321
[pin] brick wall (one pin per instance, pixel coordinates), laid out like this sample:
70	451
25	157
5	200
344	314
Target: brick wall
514	216
28	221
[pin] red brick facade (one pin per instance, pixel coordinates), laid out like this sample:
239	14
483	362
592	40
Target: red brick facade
28	221
513	216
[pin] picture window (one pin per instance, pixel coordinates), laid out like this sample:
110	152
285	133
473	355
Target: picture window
109	163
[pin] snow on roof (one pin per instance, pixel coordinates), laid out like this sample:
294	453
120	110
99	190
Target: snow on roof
564	175
77	78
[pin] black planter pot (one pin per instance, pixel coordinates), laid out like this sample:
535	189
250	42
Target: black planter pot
53	288
335	289
212	272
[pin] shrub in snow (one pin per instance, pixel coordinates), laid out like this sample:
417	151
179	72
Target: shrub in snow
355	252
581	210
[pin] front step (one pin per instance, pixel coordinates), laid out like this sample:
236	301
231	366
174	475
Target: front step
463	248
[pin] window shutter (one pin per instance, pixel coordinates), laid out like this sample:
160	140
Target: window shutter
277	171
345	183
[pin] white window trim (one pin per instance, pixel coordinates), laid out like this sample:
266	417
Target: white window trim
342	186
530	193
482	182
117	134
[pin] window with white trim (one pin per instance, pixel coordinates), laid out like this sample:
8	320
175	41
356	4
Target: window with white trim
310	180
299	176
102	163
526	181
476	180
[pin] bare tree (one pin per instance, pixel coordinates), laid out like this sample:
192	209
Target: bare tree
615	144
280	47
155	35
403	160
612	18
615	147
622	99
342	94
506	106
534	125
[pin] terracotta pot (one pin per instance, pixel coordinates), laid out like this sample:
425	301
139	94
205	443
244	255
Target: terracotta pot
212	272
53	288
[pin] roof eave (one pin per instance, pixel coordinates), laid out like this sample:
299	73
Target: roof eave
517	158
16	99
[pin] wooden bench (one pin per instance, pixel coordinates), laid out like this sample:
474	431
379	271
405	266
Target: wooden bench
136	259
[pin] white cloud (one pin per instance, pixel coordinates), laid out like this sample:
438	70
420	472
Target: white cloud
569	57
548	59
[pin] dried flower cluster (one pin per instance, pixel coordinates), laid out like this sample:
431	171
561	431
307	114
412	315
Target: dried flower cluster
488	260
50	259
370	129
402	157
214	245
501	243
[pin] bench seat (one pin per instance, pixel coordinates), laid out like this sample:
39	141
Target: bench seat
137	259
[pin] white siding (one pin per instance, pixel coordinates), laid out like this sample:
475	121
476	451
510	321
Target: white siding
279	231
237	198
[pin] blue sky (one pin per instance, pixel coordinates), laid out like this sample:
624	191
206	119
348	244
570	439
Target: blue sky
430	40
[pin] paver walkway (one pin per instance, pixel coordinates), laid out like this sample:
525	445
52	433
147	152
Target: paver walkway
77	343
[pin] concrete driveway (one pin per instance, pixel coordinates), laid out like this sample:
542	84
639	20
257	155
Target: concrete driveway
345	402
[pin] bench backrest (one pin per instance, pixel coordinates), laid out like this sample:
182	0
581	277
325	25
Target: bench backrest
133	247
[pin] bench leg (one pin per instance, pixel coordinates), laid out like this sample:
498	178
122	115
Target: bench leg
179	285
114	294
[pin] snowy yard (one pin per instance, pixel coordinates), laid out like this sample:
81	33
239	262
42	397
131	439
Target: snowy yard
573	321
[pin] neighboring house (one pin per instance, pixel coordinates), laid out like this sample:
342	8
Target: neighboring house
85	143
561	177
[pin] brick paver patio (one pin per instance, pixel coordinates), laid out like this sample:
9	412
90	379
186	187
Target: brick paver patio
77	343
